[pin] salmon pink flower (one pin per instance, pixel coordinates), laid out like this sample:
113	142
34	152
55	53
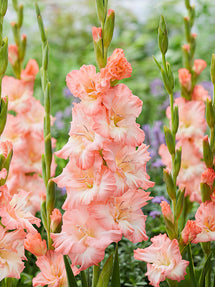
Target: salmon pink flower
185	78
199	66
163	259
53	272
167	212
200	94
29	73
13	54
34	243
208	176
83	238
117	67
56	219
190	231
124	213
205	219
97	33
11	253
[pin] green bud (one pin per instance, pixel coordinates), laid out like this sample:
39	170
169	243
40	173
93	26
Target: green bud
185	94
98	48
48	151
179	204
108	28
23	47
7	166
45	57
40	24
15	32
20	16
169	184
192	45
47	98
175	120
3	8
205	191
177	162
102	10
210	115
50	197
213	69
169	140
170	228
187	4
3	56
207	152
44	215
3	114
186	58
44	169
170	76
162	36
187	28
2	160
15	4
192	15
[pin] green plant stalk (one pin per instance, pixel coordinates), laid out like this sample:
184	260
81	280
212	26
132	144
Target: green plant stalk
47	122
96	271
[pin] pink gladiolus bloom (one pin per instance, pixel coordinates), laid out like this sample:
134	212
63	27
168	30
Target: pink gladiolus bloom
83	238
199	66
185	78
208	176
186	47
12	54
35	244
3	173
15	214
192	121
97	33
56	218
118	121
124	213
11	253
190	231
200	94
53	272
164	260
19	95
166	210
29	73
205	219
85	186
117	67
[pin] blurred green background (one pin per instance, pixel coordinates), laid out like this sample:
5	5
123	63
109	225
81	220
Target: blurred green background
68	25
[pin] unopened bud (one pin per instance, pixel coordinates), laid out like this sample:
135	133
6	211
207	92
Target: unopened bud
207	153
175	120
40	24
3	56
179	204
20	16
98	49
23	47
213	69
15	4
186	56
192	15
56	221
44	214
187	28
169	140
169	184
3	114
102	9
50	197
108	28
187	4
170	76
192	44
177	162
3	7
162	36
206	191
210	115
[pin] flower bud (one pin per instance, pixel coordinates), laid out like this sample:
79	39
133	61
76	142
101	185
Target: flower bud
3	114
20	16
44	215
207	153
13	54
169	140
192	44
23	47
40	24
3	56
187	28
177	162
169	184
168	219
199	66
48	150
15	4
170	76
15	32
206	191
50	197
186	56
192	15
97	41
3	7
108	28
56	221
35	244
187	4
213	69
175	120
179	204
44	169
162	36
210	115
101	9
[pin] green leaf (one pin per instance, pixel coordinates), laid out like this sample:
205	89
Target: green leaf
204	271
104	277
70	276
191	267
115	282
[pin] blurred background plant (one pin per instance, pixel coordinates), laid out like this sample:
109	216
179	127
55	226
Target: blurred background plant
69	33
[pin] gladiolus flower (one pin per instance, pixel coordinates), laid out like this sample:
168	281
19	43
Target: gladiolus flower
190	231
35	244
199	66
185	78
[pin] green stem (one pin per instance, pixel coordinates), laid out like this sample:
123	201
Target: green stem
96	271
164	62
84	279
172	283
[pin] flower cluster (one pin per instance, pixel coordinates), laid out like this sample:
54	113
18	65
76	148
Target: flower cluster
106	176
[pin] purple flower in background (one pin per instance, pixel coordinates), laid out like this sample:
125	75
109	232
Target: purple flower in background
67	94
158	163
59	115
154	213
68	112
208	86
157	87
158	199
59	124
63	191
